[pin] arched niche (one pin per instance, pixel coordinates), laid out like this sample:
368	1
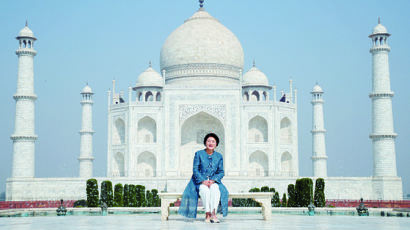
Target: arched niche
146	164
257	130
258	164
246	96
149	96
286	163
285	131
118	137
255	96
193	131
118	165
147	130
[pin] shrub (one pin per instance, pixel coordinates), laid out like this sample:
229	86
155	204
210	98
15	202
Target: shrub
92	193
284	200
155	198
319	197
276	200
273	191
265	189
148	196
80	204
250	202
106	193
304	192
292	196
118	196
132	198
126	196
140	195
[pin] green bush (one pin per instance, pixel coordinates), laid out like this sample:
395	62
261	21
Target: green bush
292	196
284	200
118	196
80	204
141	201
148	196
250	202
265	189
273	191
156	201
126	195
132	198
276	200
92	193
319	197
304	192
106	193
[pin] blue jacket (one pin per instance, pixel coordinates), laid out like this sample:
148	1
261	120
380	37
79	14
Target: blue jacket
205	167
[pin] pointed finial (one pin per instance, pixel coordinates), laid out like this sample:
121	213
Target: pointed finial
201	3
378	20
254	64
150	65
26	23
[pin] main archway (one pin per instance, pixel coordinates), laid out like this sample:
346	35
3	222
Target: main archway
193	131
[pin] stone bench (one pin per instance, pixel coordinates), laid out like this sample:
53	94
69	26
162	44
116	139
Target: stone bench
263	198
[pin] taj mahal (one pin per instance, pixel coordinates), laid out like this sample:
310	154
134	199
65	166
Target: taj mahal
201	87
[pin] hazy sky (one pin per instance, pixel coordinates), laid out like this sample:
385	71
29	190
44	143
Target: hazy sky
308	41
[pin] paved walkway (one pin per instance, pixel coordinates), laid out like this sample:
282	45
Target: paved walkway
234	221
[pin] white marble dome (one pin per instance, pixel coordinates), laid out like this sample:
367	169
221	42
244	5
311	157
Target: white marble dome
379	29
87	89
317	89
26	32
255	77
201	39
149	77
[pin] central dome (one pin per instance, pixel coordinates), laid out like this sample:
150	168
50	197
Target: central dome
204	44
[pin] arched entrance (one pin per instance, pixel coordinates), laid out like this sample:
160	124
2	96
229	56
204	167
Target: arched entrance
193	131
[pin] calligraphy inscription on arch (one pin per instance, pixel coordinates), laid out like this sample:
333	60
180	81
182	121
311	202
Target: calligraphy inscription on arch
216	110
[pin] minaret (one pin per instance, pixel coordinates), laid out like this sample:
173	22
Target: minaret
319	158
24	136
86	149
383	136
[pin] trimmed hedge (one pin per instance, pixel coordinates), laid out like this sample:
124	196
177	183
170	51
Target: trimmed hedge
292	196
132	198
276	200
80	204
156	201
118	196
126	195
319	198
106	193
92	193
284	200
140	192
304	192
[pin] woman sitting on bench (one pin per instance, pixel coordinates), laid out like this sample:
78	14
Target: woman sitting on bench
206	183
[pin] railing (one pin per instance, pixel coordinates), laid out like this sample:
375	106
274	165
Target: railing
370	203
35	204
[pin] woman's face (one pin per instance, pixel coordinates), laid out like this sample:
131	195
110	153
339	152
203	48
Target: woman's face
210	143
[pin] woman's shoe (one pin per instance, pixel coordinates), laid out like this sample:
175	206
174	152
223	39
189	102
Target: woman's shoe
208	217
214	220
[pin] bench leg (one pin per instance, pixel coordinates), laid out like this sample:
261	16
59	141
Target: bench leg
266	208
165	208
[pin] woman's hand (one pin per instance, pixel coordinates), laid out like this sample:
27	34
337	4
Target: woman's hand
208	183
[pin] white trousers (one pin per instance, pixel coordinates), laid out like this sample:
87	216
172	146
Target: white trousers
210	197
